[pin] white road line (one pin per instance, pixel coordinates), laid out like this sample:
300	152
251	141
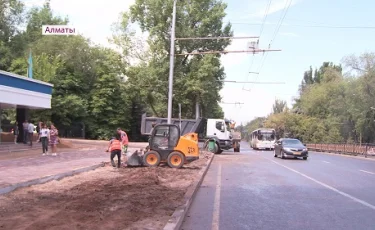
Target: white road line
367	172
327	186
216	212
326	162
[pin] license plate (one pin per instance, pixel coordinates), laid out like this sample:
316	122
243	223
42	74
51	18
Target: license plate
297	153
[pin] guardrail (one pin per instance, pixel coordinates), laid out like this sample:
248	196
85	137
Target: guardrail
352	149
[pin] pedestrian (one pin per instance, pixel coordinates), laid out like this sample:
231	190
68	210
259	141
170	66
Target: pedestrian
30	131
44	137
114	147
16	132
25	126
54	139
124	140
38	129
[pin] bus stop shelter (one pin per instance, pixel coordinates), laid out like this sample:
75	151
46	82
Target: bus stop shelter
23	94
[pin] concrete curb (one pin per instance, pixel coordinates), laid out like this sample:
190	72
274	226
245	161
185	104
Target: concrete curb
46	179
175	222
347	155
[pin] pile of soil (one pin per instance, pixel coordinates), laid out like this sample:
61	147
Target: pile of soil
106	198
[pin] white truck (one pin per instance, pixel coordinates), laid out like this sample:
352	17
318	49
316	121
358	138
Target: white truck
217	130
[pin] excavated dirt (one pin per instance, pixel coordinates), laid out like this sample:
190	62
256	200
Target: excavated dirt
106	198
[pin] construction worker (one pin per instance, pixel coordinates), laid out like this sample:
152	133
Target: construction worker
114	147
124	140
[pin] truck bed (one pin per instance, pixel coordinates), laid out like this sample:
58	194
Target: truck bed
236	136
187	125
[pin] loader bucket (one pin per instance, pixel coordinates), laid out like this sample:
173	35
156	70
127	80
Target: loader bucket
134	159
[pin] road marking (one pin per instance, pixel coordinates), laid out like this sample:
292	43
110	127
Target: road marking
367	172
326	162
327	186
216	212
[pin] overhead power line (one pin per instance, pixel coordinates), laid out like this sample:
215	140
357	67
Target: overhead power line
232	103
286	8
310	26
265	17
213	38
253	82
228	51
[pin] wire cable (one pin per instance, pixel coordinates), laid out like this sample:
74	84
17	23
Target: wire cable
286	8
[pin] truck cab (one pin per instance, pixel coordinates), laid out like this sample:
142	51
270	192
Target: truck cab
218	129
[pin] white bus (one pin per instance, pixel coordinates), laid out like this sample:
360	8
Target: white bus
263	139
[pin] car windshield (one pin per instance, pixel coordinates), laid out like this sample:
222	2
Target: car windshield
292	142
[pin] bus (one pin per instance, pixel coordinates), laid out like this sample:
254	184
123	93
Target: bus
263	139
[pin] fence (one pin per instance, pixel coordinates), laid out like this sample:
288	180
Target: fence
352	149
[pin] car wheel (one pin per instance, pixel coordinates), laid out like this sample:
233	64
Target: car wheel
305	158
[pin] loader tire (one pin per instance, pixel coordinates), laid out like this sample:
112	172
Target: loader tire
151	159
176	160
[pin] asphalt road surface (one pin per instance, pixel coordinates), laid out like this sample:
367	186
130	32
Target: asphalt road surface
254	190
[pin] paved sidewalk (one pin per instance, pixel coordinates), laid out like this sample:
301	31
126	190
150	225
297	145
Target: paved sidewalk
15	171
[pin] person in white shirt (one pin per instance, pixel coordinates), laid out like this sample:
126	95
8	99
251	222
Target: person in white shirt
30	129
44	136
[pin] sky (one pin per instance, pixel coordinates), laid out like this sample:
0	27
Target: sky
308	36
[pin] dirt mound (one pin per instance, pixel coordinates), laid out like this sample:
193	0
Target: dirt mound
106	198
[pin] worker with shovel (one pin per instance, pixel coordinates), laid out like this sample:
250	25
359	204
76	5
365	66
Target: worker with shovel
114	147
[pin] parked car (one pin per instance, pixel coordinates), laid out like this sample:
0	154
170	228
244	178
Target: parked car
290	148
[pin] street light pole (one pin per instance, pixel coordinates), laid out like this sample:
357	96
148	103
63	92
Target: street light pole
171	64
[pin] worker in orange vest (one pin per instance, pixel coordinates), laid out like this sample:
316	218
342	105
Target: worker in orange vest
114	147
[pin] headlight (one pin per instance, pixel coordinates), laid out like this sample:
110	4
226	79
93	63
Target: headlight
287	149
305	149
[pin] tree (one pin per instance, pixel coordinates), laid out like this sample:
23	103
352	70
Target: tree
197	78
279	106
11	18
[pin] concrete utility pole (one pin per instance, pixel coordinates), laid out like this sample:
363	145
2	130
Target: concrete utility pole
171	64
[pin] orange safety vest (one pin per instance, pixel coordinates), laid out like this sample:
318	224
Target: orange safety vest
115	145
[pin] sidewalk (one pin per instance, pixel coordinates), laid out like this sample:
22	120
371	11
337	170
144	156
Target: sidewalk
16	171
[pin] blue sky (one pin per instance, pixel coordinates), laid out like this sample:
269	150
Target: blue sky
301	43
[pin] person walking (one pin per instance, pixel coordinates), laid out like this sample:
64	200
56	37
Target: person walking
44	137
25	126
114	147
16	132
30	130
54	135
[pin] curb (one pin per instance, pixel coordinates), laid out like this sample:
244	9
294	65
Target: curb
175	222
346	155
46	179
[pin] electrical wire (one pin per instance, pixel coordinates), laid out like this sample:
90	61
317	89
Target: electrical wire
260	34
310	26
265	17
286	8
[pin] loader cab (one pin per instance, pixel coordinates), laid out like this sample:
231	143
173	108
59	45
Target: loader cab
164	137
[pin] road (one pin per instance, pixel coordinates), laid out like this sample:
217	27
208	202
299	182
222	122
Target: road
254	190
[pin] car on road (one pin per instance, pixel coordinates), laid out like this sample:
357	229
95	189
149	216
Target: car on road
290	148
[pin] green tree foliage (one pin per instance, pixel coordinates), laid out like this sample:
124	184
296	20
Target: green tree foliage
98	89
331	108
197	78
279	106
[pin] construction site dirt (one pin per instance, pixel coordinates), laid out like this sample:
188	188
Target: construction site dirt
105	198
